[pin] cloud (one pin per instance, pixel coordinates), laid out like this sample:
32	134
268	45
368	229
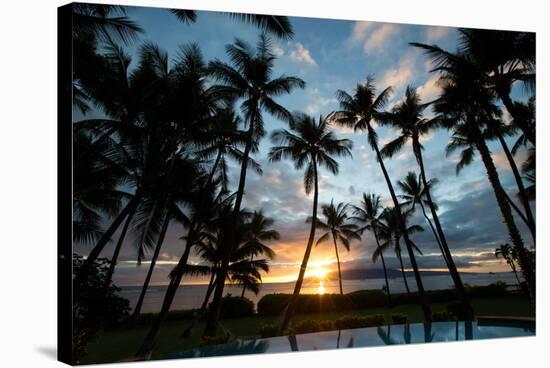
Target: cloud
399	76
380	35
429	90
278	51
318	103
436	33
371	34
360	30
301	54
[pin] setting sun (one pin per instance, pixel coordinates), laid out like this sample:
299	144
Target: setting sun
319	272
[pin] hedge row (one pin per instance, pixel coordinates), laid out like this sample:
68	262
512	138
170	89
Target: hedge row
273	304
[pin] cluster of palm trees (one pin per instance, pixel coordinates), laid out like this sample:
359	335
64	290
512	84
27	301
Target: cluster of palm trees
161	155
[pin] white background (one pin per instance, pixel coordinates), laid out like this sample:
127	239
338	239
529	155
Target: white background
28	174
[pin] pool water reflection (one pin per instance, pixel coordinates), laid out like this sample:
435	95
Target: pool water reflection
362	337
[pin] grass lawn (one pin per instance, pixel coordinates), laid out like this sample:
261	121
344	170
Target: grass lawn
121	344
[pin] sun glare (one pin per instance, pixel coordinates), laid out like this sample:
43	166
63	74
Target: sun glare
321	289
319	272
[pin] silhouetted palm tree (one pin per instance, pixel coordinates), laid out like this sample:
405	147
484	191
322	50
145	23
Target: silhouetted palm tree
249	77
414	193
205	203
338	227
390	233
504	57
498	59
277	25
94	24
408	117
310	144
467	106
258	232
244	269
359	112
508	254
368	215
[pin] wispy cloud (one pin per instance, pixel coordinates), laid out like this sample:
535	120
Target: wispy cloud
429	90
397	77
301	54
360	30
380	35
372	35
278	51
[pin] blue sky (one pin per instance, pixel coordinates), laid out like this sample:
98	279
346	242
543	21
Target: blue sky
331	55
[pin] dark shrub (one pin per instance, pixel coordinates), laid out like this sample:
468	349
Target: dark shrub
96	306
399	318
459	311
326	325
272	304
359	322
306	326
442	316
236	306
175	315
368	299
213	340
268	330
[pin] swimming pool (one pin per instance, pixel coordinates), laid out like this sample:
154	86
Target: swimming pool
363	337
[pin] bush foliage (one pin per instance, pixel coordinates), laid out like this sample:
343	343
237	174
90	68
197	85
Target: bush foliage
273	304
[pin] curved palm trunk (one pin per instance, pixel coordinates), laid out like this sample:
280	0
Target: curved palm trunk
518	211
383	266
338	263
152	336
208	292
524	259
107	235
398	251
189	330
525	128
435	234
513	266
443	240
244	286
521	188
148	344
118	247
291	308
215	307
160	240
421	293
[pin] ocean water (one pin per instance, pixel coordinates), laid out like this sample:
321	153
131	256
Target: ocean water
192	296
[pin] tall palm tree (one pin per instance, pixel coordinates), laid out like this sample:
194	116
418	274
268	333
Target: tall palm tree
310	144
153	126
205	204
258	232
390	233
358	112
498	128
244	269
177	193
499	59
92	25
249	78
414	193
504	57
368	215
337	226
466	107
408	117
508	254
